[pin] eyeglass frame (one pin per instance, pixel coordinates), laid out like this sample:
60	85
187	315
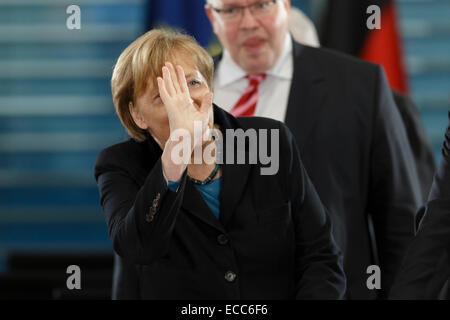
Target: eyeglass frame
242	8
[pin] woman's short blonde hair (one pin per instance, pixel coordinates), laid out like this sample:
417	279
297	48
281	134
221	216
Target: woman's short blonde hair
142	61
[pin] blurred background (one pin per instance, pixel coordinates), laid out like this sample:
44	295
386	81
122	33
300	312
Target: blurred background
56	114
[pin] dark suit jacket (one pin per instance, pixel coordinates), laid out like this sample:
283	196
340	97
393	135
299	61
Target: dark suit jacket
426	266
278	238
355	148
418	139
420	146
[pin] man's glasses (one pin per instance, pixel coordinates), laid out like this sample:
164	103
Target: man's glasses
257	9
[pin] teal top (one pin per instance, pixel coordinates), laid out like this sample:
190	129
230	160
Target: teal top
210	193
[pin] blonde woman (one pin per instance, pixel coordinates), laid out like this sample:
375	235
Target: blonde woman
206	229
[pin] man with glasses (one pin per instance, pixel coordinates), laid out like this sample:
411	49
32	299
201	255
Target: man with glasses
348	130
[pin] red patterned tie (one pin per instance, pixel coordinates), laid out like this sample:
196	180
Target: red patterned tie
247	103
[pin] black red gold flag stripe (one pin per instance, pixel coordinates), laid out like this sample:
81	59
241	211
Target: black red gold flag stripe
344	28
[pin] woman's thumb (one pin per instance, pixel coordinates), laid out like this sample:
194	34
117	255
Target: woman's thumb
206	102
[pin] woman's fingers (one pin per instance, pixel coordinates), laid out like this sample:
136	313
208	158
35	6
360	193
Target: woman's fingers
206	102
182	80
168	81
174	77
163	91
175	94
161	87
205	109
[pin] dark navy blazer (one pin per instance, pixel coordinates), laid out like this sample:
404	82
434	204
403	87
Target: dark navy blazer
273	239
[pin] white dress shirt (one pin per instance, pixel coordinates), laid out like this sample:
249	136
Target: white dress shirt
273	92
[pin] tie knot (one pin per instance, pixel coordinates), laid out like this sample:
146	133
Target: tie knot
247	103
256	78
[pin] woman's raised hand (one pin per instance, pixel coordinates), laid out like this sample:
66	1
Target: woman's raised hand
181	109
182	112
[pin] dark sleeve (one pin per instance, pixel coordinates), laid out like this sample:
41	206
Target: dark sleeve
426	265
140	220
420	145
394	195
319	265
440	188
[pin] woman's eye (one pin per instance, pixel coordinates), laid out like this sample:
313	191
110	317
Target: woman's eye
193	83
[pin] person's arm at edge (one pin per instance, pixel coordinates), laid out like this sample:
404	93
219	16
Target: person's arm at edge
394	196
432	242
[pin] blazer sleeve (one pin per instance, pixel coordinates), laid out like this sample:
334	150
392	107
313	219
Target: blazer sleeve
140	220
426	265
440	189
395	195
319	262
420	146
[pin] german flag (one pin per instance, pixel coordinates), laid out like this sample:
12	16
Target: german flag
345	28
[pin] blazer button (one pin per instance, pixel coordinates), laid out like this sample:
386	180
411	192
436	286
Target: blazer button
222	239
230	276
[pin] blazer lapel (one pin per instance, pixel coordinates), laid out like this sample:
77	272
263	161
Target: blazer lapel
234	176
306	97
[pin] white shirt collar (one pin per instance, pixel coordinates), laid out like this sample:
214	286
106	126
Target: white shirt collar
229	72
283	67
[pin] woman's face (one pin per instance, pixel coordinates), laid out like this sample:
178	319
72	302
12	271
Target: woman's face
151	111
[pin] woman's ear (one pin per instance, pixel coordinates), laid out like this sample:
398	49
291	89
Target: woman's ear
137	117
